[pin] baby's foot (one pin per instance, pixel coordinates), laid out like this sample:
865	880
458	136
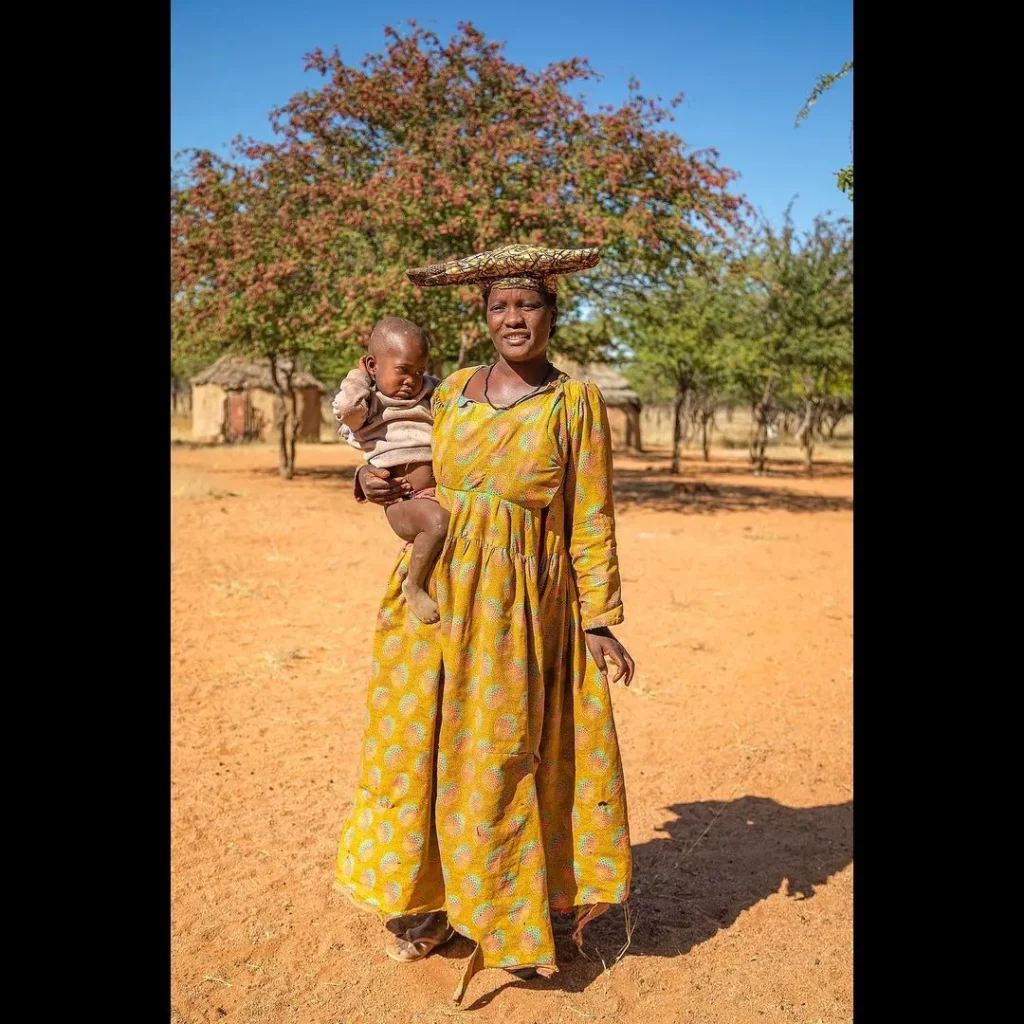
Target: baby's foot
422	605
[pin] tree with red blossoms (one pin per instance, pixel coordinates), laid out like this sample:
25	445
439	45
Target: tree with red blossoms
249	277
429	151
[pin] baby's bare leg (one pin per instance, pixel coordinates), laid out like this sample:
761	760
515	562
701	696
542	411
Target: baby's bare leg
425	524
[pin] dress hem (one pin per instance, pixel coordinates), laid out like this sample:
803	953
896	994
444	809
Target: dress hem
385	916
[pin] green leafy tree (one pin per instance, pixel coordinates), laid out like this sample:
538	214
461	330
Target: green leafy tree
794	348
677	333
844	176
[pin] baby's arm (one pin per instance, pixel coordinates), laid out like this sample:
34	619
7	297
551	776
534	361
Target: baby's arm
351	404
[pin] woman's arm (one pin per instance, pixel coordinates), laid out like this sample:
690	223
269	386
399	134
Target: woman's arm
592	548
377	485
589	498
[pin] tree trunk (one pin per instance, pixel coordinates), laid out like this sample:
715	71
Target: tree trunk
806	431
762	415
680	416
285	445
181	397
293	401
706	437
761	454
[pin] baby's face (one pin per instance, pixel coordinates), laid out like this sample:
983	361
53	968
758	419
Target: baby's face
399	367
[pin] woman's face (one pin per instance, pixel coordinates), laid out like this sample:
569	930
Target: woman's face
519	320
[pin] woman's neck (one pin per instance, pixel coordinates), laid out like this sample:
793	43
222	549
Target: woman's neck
532	372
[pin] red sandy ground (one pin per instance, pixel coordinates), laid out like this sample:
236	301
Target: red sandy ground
736	739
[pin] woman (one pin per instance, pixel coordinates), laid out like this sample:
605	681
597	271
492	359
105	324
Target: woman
491	788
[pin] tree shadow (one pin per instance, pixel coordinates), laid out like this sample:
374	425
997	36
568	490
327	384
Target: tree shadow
310	472
777	468
639	489
740	463
194	446
654	488
713	862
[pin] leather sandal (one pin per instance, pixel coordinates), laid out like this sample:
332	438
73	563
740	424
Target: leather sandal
410	947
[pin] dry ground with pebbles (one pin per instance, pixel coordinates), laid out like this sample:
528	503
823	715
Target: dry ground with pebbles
736	741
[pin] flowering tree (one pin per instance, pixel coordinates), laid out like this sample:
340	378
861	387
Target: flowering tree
249	277
429	151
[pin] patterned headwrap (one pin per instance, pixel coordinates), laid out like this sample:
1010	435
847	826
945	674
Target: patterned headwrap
512	266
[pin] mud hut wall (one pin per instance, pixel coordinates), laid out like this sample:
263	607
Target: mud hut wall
618	425
264	413
309	415
264	408
624	423
209	409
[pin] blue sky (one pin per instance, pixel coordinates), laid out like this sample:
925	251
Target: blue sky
745	67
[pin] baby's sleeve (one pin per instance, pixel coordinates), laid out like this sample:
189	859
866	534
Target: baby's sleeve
351	404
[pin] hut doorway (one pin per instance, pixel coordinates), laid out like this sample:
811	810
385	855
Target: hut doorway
242	422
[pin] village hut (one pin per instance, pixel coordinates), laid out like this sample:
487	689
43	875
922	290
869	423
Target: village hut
622	401
234	400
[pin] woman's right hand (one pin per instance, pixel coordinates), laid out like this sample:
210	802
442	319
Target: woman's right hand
378	487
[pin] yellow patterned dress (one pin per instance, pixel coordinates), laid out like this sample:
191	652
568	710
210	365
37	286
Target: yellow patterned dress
491	784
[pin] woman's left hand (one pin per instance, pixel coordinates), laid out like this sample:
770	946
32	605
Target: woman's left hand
602	645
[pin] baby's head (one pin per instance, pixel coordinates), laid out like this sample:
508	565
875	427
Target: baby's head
396	357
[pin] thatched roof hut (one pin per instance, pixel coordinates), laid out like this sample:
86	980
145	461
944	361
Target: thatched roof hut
233	400
235	374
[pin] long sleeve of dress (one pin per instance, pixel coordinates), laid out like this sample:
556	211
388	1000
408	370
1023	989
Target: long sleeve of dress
351	404
588	495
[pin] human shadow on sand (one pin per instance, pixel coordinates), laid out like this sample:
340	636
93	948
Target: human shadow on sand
714	861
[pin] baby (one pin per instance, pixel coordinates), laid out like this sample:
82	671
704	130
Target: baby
383	407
